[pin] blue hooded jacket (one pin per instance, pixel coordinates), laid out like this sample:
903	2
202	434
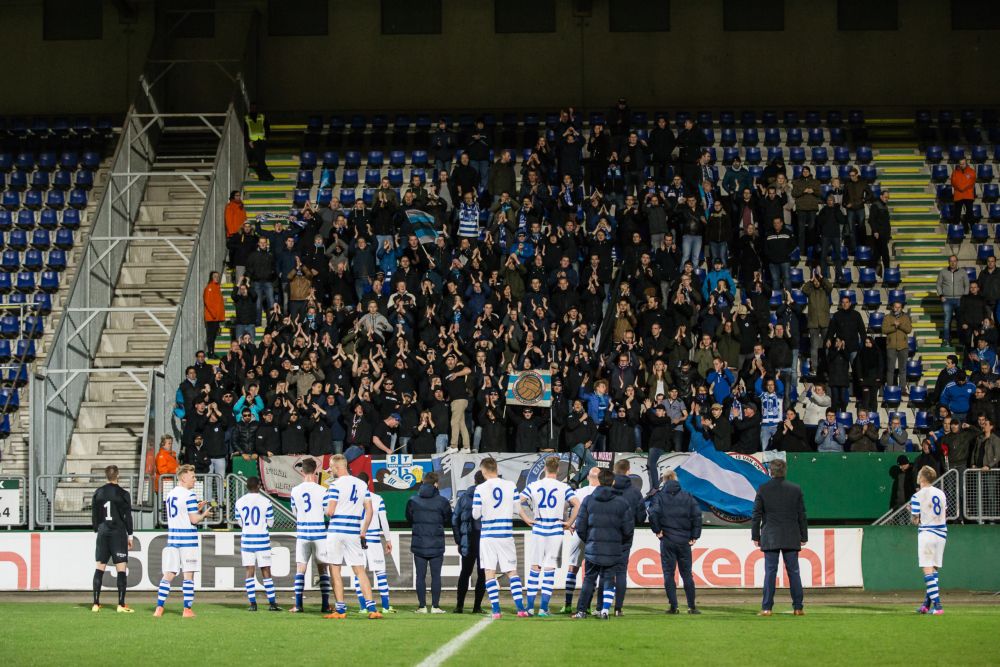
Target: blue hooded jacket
605	525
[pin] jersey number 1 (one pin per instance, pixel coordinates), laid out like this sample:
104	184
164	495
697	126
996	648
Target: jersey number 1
107	511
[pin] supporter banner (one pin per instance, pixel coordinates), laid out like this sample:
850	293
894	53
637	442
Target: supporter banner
530	388
721	559
279	474
399	472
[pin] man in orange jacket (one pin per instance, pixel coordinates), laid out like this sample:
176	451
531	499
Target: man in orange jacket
236	214
963	185
215	310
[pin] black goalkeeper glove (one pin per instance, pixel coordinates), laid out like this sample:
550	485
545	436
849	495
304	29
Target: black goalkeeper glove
364	543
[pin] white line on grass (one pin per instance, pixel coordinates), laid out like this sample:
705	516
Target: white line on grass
451	648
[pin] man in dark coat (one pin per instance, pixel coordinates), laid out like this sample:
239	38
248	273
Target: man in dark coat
904	482
675	518
428	513
626	489
465	530
847	325
779	528
605	524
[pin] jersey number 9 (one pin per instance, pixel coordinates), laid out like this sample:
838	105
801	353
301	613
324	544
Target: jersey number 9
497	496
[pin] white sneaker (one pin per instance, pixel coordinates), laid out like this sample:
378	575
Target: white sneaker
438	610
422	610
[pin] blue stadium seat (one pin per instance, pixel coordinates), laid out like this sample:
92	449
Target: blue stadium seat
40	180
956	153
991	192
816	136
10	261
419	158
866	277
397	159
42	302
6	220
819	155
838	136
83	179
823	173
848	294
91	160
868	173
934	154
25	219
841	155
18	180
984	173
24	282
769	119
707	136
70	219
793	136
69	160
900	295
358	123
729	154
727	119
834	118
375	159
422	173
772	136
349	178
844	172
78	199
944	193
48	219
331	160
704	118
372	178
845	278
24	350
752	155
33	199
980	232
945	210
25	161
6	161
396	177
299	198
756	172
324	196
796	277
892	395
775	153
864	154
347	197
5	352
797	155
304	179
49	281
939	173
368	196
352	160
845	419
863	255
728	137
56	260
984	251
17	239
855	117
33	326
979	154
914	369
872	299
875	319
956	234
41	239
790	118
750	137
307	159
62	179
892	277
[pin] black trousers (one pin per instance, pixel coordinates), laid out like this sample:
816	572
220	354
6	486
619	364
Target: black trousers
211	333
675	555
956	212
421	571
258	160
470	563
880	249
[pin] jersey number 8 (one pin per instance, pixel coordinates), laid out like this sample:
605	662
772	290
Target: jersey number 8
936	505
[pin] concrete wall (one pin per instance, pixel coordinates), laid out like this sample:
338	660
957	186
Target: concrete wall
468	66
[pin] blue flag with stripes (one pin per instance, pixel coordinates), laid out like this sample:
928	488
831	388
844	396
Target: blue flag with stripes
423	225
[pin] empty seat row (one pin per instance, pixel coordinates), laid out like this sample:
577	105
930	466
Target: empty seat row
946	117
33	260
941	173
47	218
59	126
26	161
30	326
34	199
39	302
977	154
26	281
62	179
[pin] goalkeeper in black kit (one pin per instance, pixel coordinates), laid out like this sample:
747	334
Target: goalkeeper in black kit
112	519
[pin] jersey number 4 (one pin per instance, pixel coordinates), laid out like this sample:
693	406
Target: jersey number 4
354	494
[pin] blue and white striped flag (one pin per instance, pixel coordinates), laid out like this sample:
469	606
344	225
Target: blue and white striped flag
423	225
720	481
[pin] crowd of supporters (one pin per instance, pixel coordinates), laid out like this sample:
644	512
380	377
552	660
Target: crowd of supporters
650	284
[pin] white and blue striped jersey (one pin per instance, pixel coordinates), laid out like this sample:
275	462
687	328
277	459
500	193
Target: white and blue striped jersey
179	503
350	494
255	514
547	498
494	502
380	520
931	505
310	511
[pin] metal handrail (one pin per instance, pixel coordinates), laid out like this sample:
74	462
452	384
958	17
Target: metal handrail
900	516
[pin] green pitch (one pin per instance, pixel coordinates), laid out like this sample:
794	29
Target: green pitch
59	634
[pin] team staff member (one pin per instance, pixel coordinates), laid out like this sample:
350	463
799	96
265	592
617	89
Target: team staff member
675	518
779	527
428	512
626	489
111	515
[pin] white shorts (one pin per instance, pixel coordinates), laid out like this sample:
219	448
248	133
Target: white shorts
375	554
344	550
256	558
181	559
306	549
575	556
546	550
930	550
498	554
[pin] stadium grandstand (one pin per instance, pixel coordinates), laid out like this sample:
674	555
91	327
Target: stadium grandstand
426	233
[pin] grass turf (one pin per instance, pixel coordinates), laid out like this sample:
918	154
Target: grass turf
53	633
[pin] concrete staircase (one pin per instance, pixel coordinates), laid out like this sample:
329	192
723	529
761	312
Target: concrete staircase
109	426
15	448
